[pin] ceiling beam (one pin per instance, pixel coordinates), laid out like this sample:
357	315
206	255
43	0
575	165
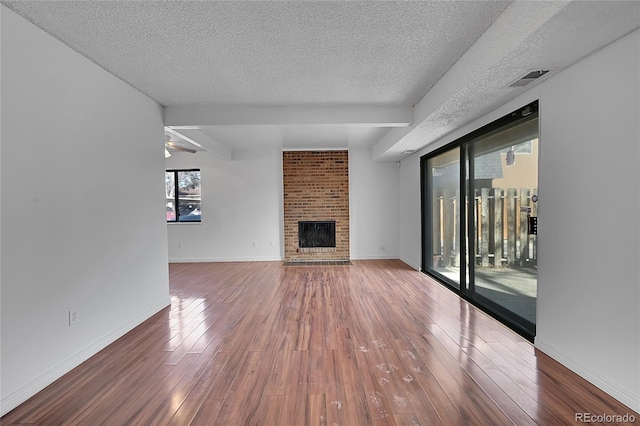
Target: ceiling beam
194	117
443	108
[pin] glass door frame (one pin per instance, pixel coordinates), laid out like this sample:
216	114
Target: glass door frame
466	223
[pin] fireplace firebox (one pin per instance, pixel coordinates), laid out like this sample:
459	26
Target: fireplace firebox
316	234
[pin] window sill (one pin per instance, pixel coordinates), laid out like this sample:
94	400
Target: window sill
184	223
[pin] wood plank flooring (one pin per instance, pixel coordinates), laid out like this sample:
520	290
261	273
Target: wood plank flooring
258	343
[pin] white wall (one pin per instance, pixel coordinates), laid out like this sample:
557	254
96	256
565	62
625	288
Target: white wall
82	209
589	279
373	207
410	212
588	274
241	204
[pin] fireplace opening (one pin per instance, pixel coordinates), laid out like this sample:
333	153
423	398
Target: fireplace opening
316	234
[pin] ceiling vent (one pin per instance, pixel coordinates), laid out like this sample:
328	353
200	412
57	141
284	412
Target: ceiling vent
528	78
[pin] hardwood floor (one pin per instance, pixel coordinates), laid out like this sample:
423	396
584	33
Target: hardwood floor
259	343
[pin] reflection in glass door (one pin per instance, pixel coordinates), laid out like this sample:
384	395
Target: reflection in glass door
503	193
478	228
444	245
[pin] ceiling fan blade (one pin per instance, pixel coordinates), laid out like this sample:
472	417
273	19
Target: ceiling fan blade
180	148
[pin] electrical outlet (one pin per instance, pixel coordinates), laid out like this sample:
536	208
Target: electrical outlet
180	245
382	248
74	317
254	244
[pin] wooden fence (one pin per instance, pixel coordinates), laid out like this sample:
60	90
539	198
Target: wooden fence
500	228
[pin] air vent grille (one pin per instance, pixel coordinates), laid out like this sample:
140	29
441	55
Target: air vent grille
528	78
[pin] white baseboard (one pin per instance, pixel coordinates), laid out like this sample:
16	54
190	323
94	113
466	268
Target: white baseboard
279	259
413	265
264	259
625	396
11	401
223	259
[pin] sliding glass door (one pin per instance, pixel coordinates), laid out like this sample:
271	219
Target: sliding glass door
479	220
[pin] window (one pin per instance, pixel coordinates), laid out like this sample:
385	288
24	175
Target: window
183	195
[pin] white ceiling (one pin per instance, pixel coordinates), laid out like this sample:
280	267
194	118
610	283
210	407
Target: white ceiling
390	76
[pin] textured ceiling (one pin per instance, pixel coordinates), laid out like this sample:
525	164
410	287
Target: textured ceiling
453	60
270	53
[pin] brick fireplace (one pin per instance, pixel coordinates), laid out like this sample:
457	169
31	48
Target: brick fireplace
316	189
